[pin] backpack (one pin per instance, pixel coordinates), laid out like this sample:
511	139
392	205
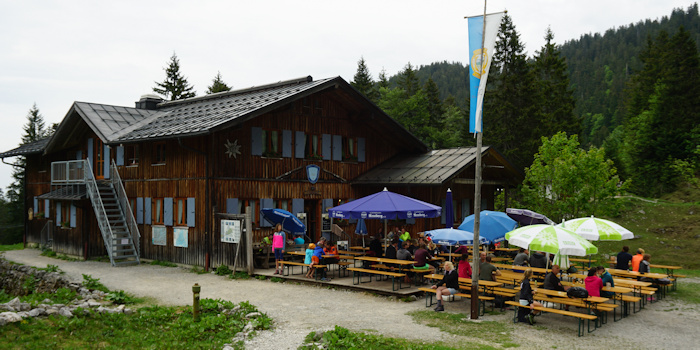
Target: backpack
577	292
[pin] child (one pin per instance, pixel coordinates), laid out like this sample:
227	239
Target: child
318	255
278	244
309	259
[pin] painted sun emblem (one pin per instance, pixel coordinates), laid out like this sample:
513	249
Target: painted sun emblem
232	149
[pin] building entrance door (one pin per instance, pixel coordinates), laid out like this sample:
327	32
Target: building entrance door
313	222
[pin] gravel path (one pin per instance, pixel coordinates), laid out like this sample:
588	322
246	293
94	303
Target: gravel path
299	309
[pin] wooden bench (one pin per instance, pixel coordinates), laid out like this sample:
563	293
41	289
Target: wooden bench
429	292
602	308
290	266
581	317
357	272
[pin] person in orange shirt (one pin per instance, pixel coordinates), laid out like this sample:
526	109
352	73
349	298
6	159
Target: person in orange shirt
637	259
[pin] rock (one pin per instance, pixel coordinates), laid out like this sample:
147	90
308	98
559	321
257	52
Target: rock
14	303
101	309
51	311
9	308
65	312
227	347
36	312
93	303
23	314
84	305
128	312
10	317
253	314
120	308
47	301
641	211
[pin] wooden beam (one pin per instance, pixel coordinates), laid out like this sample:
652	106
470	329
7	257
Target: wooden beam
483	182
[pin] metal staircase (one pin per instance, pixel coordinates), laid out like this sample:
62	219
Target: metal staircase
112	211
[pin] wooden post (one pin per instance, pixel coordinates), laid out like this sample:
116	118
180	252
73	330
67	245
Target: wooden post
249	240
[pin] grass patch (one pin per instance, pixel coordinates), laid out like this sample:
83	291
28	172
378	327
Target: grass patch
153	327
342	339
455	323
240	275
16	246
163	263
93	283
61	296
688	292
198	270
277	279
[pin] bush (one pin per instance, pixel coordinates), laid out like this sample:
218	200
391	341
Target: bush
223	270
93	283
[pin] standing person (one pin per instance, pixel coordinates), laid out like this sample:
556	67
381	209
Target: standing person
465	269
637	259
309	260
623	259
593	283
451	282
279	239
527	299
607	280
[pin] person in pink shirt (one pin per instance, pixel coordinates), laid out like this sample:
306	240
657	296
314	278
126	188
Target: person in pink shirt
593	283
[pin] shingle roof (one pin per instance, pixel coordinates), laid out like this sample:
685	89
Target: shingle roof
201	114
33	147
434	167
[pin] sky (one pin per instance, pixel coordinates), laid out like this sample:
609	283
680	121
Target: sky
53	53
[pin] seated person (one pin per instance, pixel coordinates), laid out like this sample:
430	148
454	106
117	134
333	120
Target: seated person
330	249
593	283
310	260
624	258
538	259
522	259
644	265
403	253
637	259
451	285
392	249
318	254
421	259
299	240
552	282
375	245
488	272
607	279
465	269
527	299
462	249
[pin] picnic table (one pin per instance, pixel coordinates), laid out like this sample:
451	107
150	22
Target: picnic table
591	303
348	252
537	270
359	248
487	285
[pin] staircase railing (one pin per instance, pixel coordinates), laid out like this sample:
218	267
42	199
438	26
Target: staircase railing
100	213
47	235
127	213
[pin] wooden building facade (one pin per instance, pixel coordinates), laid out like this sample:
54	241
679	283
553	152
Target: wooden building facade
182	162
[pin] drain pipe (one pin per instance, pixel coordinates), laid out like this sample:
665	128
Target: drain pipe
207	204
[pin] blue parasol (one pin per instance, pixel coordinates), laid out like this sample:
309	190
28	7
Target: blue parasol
289	222
385	205
451	236
493	225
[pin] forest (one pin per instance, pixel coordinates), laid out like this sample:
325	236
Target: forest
631	92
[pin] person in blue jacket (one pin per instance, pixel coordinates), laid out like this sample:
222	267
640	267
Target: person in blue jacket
318	252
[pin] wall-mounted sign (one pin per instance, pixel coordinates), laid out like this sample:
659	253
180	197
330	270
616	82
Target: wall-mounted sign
313	172
230	231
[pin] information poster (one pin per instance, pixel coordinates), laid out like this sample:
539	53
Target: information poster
180	237
159	235
230	231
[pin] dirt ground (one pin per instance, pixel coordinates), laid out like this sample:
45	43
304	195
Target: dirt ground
299	309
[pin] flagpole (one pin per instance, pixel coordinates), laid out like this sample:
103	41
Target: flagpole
477	194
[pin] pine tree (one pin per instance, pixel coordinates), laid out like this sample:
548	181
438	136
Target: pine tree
383	82
175	86
556	97
510	112
435	107
362	81
408	80
218	85
33	131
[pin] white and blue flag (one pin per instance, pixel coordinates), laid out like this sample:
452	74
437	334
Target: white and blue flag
479	70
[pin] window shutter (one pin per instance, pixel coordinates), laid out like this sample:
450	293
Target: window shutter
139	210
46	208
326	143
466	210
120	155
73	214
168	211
232	206
90	152
190	211
107	162
326	204
299	145
256	141
287	144
78	155
147	216
360	149
58	213
297	206
265	203
337	147
36	205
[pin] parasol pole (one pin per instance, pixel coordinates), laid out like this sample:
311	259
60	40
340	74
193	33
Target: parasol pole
477	198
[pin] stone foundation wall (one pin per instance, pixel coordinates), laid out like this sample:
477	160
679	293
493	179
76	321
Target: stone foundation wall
16	280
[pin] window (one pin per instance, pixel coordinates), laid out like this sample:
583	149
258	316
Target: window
65	214
314	147
253	203
349	149
40	210
132	205
131	155
271	143
180	208
159	153
283	204
157	216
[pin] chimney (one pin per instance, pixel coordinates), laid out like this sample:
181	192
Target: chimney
149	101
